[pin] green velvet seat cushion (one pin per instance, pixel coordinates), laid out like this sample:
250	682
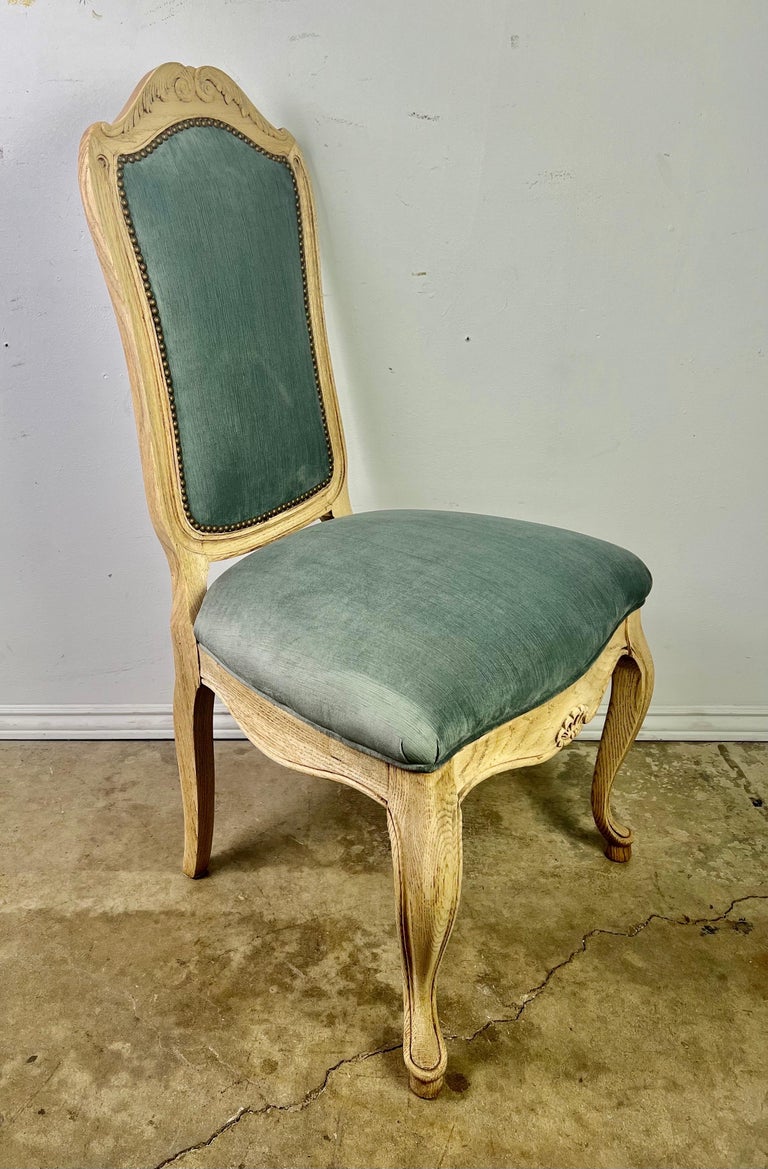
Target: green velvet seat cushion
410	633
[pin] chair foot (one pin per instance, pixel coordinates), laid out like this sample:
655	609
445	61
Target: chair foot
426	1089
424	820
620	853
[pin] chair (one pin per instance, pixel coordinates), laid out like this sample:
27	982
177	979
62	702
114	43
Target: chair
408	654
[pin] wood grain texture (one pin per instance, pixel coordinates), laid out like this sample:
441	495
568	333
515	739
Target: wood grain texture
423	810
631	690
192	712
424	819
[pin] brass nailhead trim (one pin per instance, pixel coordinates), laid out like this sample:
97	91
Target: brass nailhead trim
122	159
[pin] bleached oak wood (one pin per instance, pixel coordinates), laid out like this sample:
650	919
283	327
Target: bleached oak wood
423	810
192	711
424	819
631	690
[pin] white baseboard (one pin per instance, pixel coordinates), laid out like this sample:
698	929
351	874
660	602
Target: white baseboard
663	724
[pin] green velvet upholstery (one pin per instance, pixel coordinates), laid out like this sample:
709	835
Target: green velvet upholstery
410	633
216	224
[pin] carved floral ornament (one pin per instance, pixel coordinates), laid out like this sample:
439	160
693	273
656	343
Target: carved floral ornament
572	726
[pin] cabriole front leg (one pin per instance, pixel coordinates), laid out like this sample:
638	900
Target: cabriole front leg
631	690
424	820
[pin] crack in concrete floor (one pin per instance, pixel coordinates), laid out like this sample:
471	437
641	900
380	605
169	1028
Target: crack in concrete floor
517	1011
295	1106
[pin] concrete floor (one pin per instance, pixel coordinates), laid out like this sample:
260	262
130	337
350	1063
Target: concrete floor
601	1015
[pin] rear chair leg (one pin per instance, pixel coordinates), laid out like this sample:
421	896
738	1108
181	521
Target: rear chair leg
631	689
192	711
425	830
193	725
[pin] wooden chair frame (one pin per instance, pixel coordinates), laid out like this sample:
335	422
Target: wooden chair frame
423	810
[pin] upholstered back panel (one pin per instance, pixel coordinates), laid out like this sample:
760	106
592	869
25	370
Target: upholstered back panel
215	226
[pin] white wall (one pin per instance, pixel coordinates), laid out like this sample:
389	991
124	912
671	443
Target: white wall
543	228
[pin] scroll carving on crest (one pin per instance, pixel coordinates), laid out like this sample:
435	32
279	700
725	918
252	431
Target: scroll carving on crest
185	83
572	726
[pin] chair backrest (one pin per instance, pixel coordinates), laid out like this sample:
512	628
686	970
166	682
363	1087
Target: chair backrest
203	220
